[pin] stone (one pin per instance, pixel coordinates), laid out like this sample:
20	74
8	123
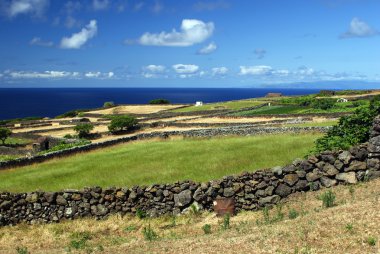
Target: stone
301	185
68	211
374	145
320	164
372	174
133	195
277	170
31	198
193	208
327	182
60	200
50	196
101	210
338	164
289	169
120	195
183	198
198	194
5	205
291	179
356	165
313	176
312	159
301	174
297	162
330	170
373	164
269	200
345	157
329	158
76	197
228	192
283	190
269	190
306	166
349	177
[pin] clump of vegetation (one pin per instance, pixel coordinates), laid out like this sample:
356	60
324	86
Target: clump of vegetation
293	214
206	229
22	250
141	214
4	134
328	199
159	101
323	104
71	113
121	123
351	130
349	227
63	145
371	241
83	129
68	136
79	240
108	104
149	233
226	221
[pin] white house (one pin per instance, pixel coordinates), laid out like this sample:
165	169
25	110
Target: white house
199	103
341	100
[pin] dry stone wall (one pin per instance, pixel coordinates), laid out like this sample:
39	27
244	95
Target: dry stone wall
251	191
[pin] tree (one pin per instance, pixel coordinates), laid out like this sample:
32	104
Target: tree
159	101
4	134
108	104
120	123
83	129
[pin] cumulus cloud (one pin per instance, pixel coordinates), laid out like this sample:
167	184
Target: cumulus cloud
185	68
208	49
34	7
260	53
192	31
77	40
37	41
40	75
359	29
255	70
98	5
219	71
155	68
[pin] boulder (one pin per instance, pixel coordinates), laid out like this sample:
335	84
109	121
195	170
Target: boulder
313	176
277	171
183	198
349	177
269	200
60	200
291	179
330	170
327	182
345	157
283	190
32	197
356	165
373	164
228	192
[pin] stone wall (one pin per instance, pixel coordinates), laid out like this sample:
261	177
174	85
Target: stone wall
251	191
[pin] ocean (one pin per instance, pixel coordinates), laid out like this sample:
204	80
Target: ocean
50	102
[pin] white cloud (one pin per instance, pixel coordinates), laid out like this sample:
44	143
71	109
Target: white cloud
77	40
208	49
219	71
359	28
93	74
98	5
304	71
40	75
111	74
155	68
281	72
192	31
99	75
255	70
38	42
185	68
260	53
34	7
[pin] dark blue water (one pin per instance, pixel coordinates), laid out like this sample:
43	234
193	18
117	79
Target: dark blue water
50	102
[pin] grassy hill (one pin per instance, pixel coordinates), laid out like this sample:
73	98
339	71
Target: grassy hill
301	225
160	162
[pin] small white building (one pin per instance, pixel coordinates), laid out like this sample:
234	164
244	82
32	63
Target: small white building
341	100
199	103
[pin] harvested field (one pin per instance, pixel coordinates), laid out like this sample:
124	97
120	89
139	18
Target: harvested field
135	109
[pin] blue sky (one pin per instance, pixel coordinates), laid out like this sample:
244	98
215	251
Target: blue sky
220	43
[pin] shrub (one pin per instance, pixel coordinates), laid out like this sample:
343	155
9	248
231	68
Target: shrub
149	233
351	130
323	104
120	123
63	146
108	104
328	199
159	101
4	134
293	214
371	241
83	129
68	136
206	229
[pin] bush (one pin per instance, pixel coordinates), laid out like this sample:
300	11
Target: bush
83	129
328	199
4	134
108	104
207	229
293	214
159	101
72	113
120	123
323	104
351	130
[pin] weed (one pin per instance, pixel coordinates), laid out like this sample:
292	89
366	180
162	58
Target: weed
266	215
149	233
194	209
207	229
22	250
350	227
352	191
79	240
328	199
141	214
130	228
293	214
371	241
226	221
279	214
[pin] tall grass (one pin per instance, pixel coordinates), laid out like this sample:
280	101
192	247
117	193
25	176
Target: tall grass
147	162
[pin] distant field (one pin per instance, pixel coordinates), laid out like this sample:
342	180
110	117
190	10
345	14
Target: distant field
222	105
160	162
314	124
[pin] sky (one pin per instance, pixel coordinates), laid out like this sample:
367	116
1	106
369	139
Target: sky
183	43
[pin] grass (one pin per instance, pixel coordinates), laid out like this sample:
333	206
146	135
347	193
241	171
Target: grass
8	157
314	230
16	141
313	124
147	162
232	105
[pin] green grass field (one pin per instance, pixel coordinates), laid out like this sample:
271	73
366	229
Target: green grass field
233	105
17	141
147	162
313	124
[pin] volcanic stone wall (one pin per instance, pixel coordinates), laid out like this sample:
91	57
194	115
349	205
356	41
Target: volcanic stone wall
251	191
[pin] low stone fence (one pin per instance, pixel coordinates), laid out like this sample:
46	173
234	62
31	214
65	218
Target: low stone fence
200	133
